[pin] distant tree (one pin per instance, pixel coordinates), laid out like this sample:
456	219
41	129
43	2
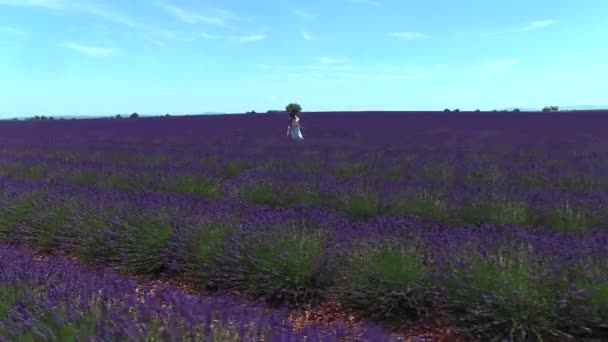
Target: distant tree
272	111
457	110
36	117
251	112
118	116
494	110
167	114
134	115
550	109
446	110
293	108
516	110
477	110
51	118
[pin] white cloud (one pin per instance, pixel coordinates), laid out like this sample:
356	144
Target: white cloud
497	65
409	35
12	30
302	13
53	4
307	36
307	67
83	7
533	25
328	60
366	2
92	50
106	14
190	17
247	38
345	72
384	77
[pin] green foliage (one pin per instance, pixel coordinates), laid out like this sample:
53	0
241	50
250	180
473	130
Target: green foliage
568	219
508	298
442	173
88	241
145	237
234	168
283	266
550	109
198	257
82	177
293	108
496	211
9	295
265	192
46	223
134	115
14	212
196	185
359	205
386	281
348	170
426	204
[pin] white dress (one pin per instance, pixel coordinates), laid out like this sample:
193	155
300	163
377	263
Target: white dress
293	130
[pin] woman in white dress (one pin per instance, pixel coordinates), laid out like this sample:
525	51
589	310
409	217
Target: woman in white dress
293	129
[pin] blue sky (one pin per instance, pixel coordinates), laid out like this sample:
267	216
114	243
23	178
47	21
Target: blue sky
93	57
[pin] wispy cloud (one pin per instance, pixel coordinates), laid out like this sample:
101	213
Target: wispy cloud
409	35
328	60
302	13
247	38
191	17
82	7
12	30
534	25
106	14
497	65
92	51
332	69
321	67
307	36
366	2
384	77
52	4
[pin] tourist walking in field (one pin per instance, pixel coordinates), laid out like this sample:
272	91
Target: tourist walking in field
293	129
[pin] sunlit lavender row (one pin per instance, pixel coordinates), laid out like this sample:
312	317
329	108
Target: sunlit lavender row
56	299
490	280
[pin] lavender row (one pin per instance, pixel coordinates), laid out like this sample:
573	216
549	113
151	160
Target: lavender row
359	197
58	299
491	281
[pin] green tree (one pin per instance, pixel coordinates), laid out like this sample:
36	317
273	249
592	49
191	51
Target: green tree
516	110
446	110
550	109
293	108
134	115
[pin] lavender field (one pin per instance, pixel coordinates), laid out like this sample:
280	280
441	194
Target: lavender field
495	222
